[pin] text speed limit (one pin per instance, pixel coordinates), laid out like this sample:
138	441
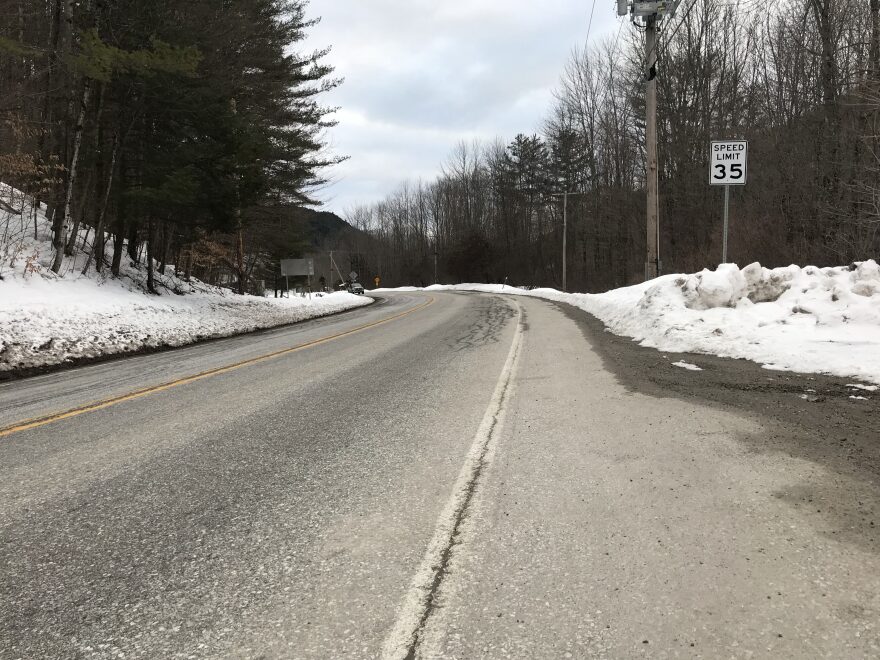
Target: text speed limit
728	163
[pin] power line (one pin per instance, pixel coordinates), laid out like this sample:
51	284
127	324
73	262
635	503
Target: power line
590	24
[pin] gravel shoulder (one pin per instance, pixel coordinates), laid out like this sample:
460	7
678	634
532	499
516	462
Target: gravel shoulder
805	416
812	416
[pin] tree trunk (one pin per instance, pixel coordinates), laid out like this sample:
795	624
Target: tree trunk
118	248
46	144
87	189
121	219
239	257
187	274
163	257
822	13
133	244
98	247
874	50
151	284
61	236
70	246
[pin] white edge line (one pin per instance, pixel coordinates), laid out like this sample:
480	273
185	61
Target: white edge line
412	609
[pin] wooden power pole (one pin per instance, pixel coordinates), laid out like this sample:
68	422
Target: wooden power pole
649	13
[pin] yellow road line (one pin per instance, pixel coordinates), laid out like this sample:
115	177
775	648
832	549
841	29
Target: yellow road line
106	403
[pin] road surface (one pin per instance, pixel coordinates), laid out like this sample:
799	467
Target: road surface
436	476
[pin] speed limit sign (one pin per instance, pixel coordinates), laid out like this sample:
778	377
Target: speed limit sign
728	163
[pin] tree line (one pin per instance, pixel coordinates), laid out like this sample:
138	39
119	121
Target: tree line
165	132
799	79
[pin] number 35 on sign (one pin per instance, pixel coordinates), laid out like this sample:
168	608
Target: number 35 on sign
728	163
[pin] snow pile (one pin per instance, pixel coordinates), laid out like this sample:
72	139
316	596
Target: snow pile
47	319
815	320
809	319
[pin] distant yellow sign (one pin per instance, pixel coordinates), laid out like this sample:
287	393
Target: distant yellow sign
377	280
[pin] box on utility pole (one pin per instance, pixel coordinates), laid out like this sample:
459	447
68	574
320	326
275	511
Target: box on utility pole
659	8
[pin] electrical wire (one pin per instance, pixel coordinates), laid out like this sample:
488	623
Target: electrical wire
590	24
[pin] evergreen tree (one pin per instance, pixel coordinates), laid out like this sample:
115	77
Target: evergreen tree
178	126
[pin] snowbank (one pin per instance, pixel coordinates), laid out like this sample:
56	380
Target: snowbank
812	320
46	319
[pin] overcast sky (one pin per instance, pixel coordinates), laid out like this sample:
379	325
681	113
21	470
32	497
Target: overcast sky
421	75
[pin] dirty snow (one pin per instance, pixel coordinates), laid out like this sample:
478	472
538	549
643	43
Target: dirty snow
47	319
804	319
681	364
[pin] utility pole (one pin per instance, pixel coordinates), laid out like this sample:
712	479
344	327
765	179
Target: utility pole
565	242
651	14
436	281
565	195
652	260
332	266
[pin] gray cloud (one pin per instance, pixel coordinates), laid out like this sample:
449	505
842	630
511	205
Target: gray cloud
422	75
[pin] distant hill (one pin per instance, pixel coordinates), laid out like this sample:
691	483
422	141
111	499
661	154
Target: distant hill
323	232
323	229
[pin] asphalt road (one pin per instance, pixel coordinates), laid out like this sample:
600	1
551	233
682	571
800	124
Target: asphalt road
437	476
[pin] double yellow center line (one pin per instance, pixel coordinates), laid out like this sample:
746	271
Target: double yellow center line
137	394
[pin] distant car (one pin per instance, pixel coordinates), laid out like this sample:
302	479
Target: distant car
356	288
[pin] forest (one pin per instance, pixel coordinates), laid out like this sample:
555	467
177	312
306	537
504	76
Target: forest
185	133
192	134
798	79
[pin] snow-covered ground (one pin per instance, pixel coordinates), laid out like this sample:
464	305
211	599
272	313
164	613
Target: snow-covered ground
812	320
47	319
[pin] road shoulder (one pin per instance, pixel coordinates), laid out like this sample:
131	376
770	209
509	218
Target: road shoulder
810	416
623	521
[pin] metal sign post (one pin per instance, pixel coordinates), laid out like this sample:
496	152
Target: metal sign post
297	268
726	223
728	166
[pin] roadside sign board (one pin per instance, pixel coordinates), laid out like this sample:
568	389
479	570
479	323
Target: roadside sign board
353	276
729	163
297	267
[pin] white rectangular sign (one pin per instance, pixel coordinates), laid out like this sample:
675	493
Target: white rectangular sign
729	163
297	267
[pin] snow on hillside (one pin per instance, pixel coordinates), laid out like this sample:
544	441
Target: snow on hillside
47	319
812	320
